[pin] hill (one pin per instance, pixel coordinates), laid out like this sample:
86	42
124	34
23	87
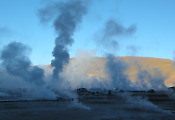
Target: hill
95	66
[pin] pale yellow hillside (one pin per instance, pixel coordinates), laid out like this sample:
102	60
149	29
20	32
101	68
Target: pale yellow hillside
165	66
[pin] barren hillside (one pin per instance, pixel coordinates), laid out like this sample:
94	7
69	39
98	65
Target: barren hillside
165	66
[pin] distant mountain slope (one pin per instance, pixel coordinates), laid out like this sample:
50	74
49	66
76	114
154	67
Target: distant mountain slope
164	65
95	66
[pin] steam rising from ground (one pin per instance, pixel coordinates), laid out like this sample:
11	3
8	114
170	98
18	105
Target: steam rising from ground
29	82
15	59
116	71
18	74
67	16
92	72
147	81
16	62
79	72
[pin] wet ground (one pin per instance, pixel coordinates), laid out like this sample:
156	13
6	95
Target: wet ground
94	106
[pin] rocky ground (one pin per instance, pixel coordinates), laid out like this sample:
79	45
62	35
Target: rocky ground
95	104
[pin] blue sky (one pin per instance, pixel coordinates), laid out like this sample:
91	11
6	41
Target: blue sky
155	35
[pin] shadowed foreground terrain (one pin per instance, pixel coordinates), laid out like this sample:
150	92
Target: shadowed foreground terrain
95	105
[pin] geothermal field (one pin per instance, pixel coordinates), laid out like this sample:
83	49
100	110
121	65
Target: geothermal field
85	86
92	104
88	93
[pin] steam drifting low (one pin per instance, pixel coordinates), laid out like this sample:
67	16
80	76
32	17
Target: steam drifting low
16	68
99	82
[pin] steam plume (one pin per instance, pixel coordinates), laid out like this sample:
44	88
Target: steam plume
110	40
16	62
112	28
67	16
116	71
81	71
111	33
147	81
